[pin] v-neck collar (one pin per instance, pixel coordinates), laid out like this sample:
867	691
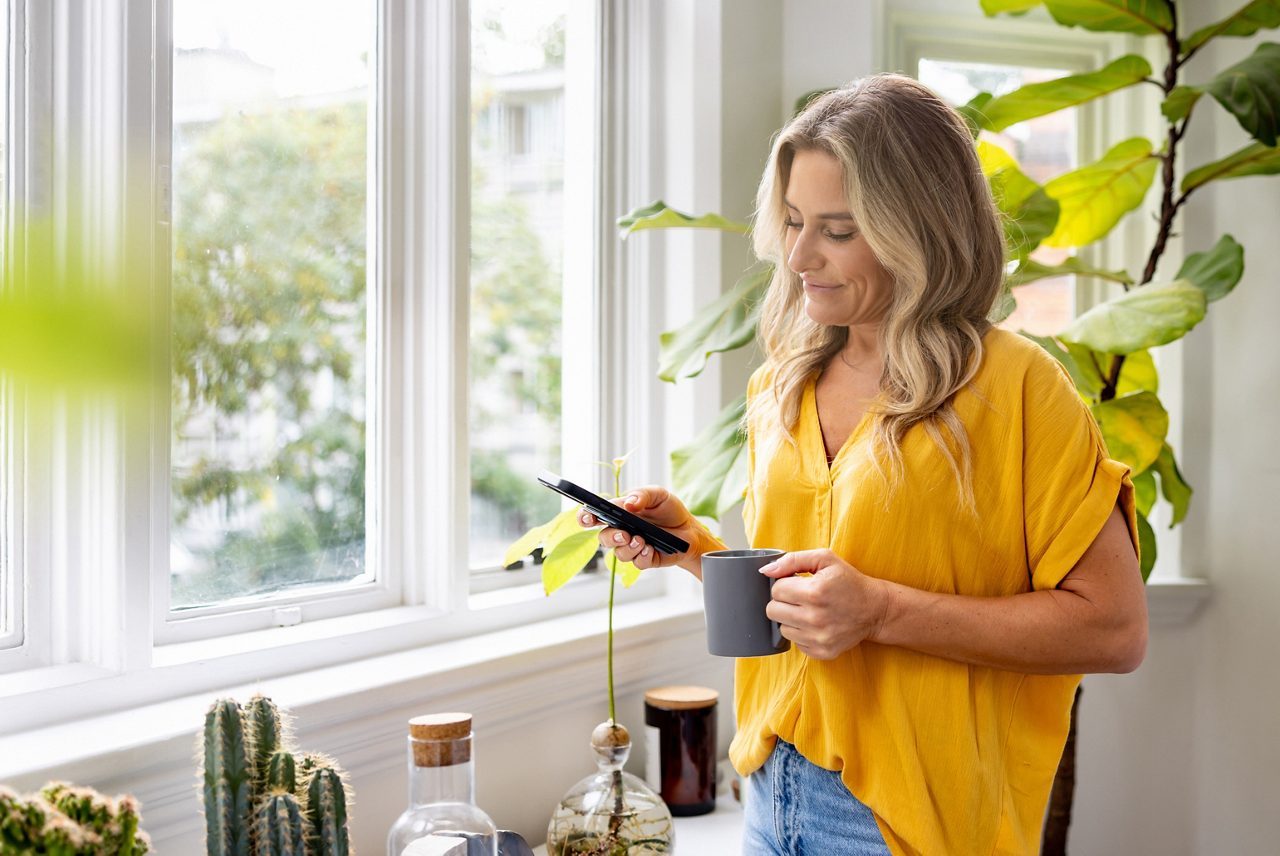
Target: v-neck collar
812	431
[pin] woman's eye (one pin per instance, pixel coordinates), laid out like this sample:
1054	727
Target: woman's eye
791	224
835	236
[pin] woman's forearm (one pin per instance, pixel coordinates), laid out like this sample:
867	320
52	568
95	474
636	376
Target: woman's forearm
1043	632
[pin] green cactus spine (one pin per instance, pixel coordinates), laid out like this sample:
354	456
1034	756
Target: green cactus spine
281	831
327	813
228	782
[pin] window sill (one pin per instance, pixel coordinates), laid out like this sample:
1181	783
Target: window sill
497	676
1174	602
42	697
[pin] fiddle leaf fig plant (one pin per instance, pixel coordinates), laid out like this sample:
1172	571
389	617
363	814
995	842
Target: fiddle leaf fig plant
1072	210
1107	349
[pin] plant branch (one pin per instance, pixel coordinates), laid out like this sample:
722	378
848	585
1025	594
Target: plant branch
1168	205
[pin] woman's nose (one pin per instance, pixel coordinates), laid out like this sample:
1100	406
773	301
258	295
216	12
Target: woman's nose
802	257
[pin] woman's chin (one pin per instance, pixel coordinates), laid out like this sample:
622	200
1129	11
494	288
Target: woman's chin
825	315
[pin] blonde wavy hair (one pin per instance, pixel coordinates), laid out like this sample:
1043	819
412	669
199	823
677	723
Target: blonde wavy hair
917	193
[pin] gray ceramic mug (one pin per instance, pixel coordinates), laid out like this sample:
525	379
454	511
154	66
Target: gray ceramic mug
734	596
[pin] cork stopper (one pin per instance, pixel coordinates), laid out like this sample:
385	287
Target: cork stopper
441	739
681	697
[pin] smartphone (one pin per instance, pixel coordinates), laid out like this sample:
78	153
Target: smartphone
615	515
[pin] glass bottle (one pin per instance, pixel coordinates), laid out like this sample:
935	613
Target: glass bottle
442	790
611	812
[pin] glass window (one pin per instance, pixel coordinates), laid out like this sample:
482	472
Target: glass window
269	392
7	594
1044	148
518	121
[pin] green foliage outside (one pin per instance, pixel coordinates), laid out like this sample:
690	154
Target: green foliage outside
268	308
269	304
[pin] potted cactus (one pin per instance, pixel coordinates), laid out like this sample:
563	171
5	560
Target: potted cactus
64	820
262	799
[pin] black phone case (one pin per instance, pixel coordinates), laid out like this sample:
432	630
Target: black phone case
616	516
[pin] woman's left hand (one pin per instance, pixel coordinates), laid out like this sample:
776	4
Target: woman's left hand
831	611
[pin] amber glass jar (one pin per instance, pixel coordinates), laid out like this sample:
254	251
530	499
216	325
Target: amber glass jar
680	730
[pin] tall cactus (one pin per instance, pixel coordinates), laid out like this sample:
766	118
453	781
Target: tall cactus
281	831
278	787
228	782
282	772
265	728
327	813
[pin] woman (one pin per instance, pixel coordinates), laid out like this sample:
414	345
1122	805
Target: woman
960	547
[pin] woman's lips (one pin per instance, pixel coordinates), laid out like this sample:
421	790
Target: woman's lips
809	283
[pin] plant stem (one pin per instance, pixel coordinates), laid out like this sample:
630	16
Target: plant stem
1168	206
613	578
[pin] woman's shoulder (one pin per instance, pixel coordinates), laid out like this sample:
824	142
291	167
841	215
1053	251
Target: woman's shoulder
1009	357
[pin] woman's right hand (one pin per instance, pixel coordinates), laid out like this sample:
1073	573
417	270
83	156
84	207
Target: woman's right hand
661	508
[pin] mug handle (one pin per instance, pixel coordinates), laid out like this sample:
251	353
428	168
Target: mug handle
775	629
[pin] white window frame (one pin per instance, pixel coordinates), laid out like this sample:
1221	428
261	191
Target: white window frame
1036	41
114	511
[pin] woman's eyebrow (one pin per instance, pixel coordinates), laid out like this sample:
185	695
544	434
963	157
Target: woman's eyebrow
842	215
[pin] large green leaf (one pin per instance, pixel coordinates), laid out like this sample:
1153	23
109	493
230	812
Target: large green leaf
1145	491
1253	159
1137	374
724	324
1258	15
1005	305
569	557
1172	485
700	470
972	112
1134	427
1180	101
1113	16
559	529
1146	546
1138	319
1250	91
627	572
1216	271
1086	377
658	216
525	544
1029	270
1030	214
1038	99
1095	197
1013	7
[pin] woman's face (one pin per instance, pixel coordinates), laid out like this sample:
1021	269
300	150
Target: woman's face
844	284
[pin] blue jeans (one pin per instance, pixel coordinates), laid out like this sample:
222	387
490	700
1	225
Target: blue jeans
795	808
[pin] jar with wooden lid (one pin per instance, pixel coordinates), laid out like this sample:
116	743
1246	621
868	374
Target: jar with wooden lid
442	818
680	732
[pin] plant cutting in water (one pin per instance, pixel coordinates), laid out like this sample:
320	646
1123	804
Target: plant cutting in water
611	812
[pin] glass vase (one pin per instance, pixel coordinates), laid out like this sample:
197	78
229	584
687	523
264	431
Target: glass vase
611	812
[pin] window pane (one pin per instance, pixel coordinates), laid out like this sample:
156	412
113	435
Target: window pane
517	214
270	167
1044	148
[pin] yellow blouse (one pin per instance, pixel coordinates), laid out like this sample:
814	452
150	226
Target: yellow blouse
951	758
